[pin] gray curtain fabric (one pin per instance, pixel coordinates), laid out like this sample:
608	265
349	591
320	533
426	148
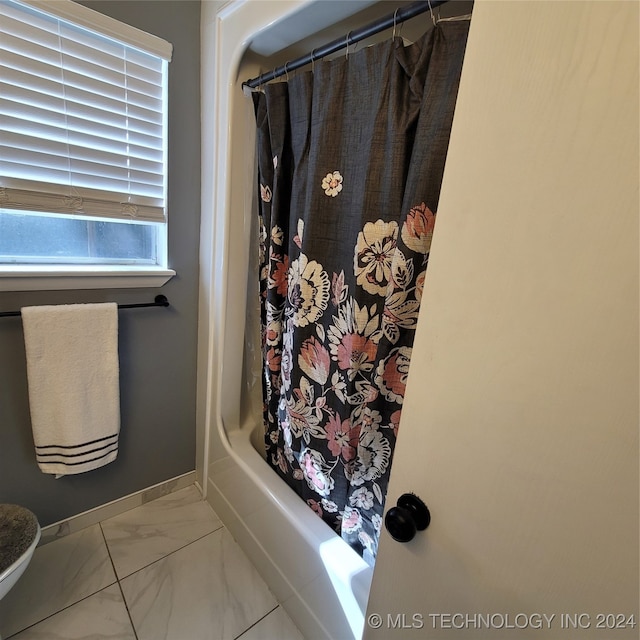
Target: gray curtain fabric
350	163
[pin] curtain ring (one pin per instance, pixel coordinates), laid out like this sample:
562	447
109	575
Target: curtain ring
347	53
286	73
395	13
313	62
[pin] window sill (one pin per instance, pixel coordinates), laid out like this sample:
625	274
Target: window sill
39	278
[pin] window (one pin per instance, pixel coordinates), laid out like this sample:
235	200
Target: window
83	147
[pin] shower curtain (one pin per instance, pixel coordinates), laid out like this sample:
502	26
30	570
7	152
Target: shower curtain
350	162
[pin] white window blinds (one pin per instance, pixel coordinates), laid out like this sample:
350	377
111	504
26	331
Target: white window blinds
82	118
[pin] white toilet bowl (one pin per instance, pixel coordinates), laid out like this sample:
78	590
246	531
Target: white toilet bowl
28	543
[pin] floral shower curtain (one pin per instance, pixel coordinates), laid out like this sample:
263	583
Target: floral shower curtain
350	162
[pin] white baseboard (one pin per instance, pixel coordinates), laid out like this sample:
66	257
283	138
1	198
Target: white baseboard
97	514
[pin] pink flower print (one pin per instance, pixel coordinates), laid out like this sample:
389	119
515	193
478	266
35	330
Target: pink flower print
392	374
417	230
365	393
361	498
332	184
265	193
329	505
339	289
353	336
273	359
316	472
315	506
351	520
342	437
355	353
394	421
272	335
369	419
298	237
279	275
314	360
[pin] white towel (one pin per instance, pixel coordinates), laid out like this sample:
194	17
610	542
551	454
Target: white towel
74	391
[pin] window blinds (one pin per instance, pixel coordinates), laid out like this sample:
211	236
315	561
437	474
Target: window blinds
82	119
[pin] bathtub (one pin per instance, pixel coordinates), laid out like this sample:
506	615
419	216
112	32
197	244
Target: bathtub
318	579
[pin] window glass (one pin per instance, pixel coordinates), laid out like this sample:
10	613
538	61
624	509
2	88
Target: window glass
26	238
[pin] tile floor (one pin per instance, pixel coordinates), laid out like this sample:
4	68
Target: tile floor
168	570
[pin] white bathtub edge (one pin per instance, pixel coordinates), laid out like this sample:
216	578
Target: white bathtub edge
296	608
343	577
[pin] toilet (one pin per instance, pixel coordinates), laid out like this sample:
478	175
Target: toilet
19	536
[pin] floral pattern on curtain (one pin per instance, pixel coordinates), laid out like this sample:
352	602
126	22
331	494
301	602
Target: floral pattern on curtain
350	162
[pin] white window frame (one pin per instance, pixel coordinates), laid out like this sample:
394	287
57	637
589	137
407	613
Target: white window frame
32	277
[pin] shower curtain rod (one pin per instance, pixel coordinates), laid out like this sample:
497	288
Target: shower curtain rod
159	301
400	15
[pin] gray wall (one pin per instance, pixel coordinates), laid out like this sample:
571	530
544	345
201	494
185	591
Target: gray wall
157	347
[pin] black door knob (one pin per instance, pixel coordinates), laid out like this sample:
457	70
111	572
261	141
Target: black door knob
408	516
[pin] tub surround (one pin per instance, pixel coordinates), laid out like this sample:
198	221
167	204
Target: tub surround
321	582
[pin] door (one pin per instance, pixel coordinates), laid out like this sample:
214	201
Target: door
520	423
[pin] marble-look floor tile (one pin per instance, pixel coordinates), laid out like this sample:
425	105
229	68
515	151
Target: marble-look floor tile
60	574
102	616
277	625
149	532
207	590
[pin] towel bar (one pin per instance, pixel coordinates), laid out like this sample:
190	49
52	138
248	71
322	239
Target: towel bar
159	301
